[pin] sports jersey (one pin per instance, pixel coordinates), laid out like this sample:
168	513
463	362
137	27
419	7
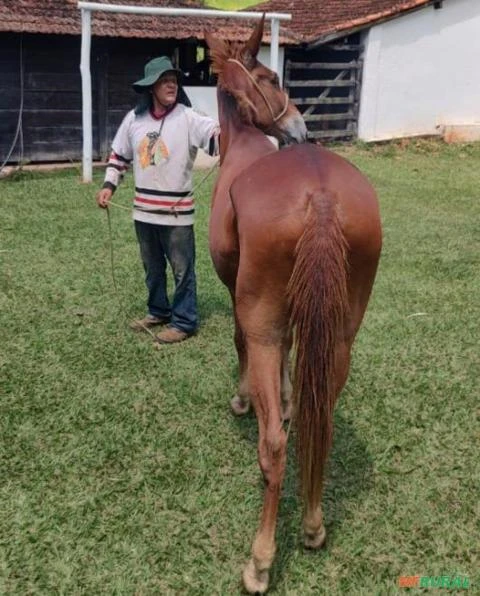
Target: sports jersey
163	151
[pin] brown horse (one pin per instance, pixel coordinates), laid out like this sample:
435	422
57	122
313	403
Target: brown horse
295	236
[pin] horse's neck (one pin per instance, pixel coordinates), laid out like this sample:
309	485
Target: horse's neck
240	144
230	122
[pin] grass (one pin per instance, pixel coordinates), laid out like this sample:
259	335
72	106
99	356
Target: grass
122	470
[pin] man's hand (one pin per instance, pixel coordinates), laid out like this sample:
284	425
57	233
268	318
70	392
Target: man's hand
103	197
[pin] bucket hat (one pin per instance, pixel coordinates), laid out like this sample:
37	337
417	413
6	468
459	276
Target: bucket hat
153	71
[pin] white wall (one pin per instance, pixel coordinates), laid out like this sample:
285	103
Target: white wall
204	99
422	71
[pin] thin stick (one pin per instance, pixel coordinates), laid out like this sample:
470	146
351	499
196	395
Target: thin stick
112	264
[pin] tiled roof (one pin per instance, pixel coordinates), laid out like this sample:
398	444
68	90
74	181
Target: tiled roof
311	18
63	17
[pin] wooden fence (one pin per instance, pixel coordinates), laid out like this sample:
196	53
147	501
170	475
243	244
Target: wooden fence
325	85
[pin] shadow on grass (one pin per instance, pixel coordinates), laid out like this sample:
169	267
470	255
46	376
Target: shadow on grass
217	305
348	478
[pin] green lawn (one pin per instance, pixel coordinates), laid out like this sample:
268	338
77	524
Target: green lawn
122	470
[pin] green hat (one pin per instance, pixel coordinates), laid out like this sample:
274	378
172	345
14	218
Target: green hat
153	71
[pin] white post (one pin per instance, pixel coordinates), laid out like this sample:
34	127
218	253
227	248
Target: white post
86	95
274	43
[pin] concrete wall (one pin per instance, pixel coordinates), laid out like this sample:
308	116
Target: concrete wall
204	99
422	72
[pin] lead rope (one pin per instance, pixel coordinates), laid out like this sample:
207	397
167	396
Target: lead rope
112	264
194	189
172	208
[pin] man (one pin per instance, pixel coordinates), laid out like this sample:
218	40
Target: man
162	135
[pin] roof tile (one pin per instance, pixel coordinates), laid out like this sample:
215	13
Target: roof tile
311	20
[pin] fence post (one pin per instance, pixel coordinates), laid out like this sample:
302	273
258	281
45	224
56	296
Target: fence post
86	94
274	43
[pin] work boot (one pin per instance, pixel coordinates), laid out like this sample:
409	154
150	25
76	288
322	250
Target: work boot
147	322
171	335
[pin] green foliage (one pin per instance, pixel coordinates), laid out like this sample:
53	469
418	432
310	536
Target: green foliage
230	4
122	469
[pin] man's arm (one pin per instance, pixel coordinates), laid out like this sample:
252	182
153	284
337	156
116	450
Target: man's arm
118	163
204	133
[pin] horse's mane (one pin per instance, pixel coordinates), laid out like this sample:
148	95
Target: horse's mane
220	54
229	50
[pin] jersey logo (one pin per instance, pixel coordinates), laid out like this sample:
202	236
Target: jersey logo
152	150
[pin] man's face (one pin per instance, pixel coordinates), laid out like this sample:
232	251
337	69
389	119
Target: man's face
166	88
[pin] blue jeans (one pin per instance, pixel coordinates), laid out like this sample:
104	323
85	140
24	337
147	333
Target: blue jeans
175	244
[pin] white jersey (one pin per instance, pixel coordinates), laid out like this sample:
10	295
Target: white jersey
163	151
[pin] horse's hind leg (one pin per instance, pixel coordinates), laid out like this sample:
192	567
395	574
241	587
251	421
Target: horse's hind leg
264	365
240	402
286	386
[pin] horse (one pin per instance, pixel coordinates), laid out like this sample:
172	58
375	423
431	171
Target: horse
295	235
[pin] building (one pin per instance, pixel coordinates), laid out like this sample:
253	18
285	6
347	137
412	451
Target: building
368	69
383	69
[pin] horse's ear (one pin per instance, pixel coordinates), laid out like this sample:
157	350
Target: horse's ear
217	49
253	44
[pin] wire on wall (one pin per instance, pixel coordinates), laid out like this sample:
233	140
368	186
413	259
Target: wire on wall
19	129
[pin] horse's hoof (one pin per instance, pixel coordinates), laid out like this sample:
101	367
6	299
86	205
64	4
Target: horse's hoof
255	582
315	540
240	406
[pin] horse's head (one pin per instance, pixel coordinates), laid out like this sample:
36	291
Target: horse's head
256	89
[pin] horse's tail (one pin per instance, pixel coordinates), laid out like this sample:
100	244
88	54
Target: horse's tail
319	302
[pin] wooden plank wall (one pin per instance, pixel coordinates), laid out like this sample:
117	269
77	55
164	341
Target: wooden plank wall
51	115
52	93
324	83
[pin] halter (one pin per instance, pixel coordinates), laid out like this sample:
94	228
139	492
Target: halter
259	89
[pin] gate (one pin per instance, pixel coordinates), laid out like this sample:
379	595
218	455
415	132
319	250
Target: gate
324	83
